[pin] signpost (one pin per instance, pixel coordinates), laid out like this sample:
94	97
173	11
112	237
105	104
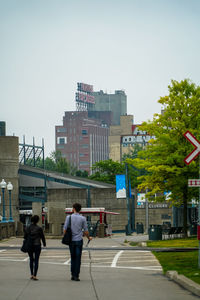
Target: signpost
189	136
194	182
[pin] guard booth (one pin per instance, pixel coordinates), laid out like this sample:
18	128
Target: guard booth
26	214
98	226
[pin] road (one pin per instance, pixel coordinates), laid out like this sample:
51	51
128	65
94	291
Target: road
105	274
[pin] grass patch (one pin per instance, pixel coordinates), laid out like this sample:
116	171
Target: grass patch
133	244
182	243
185	263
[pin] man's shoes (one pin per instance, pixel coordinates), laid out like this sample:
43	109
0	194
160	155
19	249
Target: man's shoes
75	278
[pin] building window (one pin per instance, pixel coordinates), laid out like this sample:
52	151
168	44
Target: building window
84	163
62	140
60	147
62	129
81	155
85	146
84	131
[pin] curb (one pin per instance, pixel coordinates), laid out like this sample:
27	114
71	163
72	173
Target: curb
185	282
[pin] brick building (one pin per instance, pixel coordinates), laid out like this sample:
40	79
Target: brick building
82	140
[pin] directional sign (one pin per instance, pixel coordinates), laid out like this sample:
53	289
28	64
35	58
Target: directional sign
189	136
194	182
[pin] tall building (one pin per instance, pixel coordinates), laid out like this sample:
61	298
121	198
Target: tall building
82	140
124	137
115	103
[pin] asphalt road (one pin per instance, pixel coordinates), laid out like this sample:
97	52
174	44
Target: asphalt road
105	274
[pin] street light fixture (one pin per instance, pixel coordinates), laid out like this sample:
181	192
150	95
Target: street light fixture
10	188
3	186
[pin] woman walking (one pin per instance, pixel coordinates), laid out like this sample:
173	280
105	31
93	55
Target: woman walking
36	234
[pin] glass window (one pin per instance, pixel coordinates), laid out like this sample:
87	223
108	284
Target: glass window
84	163
62	129
84	131
62	140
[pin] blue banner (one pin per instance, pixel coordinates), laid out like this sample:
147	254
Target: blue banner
120	186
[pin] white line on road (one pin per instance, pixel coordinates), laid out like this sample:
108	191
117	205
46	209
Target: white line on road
67	262
26	259
3	250
115	259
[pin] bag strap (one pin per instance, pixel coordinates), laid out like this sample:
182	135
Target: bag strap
69	225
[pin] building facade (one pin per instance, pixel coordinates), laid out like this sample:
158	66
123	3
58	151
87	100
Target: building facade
116	103
83	141
124	137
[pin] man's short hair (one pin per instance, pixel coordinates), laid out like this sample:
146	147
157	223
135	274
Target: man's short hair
77	206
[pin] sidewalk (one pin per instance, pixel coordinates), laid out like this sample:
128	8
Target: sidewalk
98	281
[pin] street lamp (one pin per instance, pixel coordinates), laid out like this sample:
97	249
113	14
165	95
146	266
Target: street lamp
3	186
10	188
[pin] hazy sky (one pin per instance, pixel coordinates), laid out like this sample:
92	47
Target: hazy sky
48	46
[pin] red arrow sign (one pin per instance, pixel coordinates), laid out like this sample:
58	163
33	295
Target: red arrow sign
189	136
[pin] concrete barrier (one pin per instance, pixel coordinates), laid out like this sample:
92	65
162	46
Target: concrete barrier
7	230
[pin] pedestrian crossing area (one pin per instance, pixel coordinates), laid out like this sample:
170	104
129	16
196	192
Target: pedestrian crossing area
116	259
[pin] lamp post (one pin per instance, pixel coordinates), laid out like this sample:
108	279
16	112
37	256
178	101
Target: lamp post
10	188
3	186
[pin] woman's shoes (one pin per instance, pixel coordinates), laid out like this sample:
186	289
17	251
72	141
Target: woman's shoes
33	277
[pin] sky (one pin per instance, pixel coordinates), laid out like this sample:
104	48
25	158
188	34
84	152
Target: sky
47	46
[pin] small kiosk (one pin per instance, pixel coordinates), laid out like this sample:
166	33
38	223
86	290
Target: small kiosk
101	227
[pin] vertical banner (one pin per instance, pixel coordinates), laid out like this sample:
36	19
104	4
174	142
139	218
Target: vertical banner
120	186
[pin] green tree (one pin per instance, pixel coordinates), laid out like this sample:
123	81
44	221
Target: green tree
106	170
133	173
82	173
163	158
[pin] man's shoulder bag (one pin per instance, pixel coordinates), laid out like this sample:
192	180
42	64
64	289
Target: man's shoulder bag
67	238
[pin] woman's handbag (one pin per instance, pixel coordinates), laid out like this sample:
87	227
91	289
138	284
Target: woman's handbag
27	243
67	238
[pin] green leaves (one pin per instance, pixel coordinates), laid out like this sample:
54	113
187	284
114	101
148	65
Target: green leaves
163	158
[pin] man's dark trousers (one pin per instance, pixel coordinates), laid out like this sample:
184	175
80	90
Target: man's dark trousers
76	251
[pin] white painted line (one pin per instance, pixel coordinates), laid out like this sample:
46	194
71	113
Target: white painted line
115	259
67	262
137	260
8	259
26	259
3	250
53	256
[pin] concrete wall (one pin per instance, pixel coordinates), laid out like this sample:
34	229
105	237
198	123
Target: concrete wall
156	216
9	165
7	230
58	200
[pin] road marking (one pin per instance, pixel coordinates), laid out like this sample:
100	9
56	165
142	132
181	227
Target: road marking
67	262
115	259
26	259
3	250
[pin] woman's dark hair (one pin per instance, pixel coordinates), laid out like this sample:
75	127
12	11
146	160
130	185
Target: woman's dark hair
77	207
35	219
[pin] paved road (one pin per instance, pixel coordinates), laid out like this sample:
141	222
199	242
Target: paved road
105	274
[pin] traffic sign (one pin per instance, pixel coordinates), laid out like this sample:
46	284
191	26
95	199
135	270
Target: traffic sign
189	136
194	182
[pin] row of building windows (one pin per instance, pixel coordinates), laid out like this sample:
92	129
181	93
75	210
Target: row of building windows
64	130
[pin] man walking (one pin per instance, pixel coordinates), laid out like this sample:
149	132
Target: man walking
78	227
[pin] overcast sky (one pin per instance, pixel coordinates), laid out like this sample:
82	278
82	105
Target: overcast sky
48	46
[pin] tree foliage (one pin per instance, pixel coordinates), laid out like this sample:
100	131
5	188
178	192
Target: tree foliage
163	158
106	170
